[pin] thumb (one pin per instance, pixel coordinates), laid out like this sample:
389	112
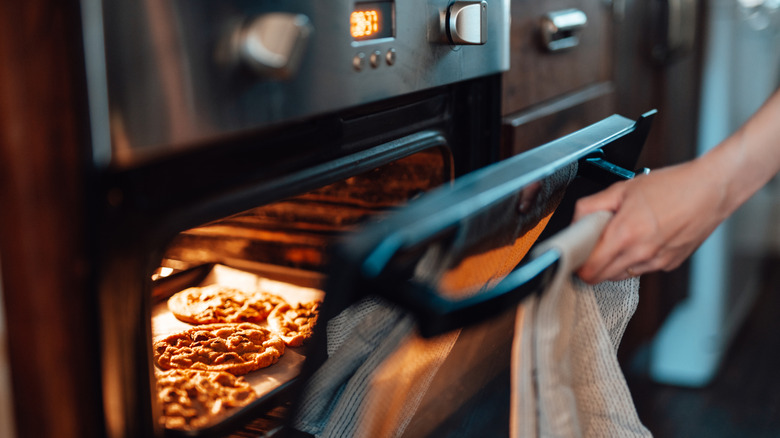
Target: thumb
608	199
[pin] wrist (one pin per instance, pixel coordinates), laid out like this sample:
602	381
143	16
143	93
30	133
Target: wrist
722	171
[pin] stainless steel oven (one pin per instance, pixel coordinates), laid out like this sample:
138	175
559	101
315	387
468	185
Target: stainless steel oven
179	74
345	152
250	135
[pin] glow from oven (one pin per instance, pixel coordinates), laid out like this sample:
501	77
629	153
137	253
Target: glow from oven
162	272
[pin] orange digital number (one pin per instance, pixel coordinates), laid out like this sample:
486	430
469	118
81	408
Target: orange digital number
364	23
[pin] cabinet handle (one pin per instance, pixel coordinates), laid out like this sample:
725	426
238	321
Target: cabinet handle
560	29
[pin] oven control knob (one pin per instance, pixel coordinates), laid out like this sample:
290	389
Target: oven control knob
273	44
466	22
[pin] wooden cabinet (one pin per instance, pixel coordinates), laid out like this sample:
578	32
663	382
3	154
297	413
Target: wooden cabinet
537	74
549	93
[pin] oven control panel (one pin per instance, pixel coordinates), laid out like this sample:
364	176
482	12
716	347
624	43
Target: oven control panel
174	74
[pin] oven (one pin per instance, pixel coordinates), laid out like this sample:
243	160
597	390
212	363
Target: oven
241	139
344	153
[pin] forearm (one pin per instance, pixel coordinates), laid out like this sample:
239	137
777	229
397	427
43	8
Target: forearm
748	159
661	218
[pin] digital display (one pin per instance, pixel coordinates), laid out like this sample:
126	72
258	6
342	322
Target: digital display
371	20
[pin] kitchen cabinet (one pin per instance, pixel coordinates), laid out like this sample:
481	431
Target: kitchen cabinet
630	57
548	93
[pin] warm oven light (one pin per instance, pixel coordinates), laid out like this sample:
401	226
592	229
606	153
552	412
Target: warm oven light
163	272
364	23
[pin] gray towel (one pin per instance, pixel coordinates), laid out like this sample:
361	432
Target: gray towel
566	378
359	340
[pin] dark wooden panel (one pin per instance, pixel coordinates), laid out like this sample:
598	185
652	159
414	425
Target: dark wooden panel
544	123
537	75
52	337
672	87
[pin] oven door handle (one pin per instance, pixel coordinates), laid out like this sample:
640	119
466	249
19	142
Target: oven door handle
436	314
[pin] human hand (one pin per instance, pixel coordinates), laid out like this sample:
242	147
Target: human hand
659	220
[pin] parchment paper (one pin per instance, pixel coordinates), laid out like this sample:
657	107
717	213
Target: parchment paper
263	380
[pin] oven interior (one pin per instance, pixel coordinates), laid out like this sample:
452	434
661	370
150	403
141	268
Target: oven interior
282	248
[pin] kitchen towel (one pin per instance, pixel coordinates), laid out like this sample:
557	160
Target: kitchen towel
566	380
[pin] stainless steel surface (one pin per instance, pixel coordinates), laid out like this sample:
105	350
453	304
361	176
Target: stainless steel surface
273	44
468	22
173	80
560	29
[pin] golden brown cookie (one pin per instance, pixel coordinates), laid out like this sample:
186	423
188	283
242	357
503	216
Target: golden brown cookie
193	399
236	348
216	303
295	324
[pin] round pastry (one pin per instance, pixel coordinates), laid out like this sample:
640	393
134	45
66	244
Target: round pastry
235	348
295	324
193	399
216	303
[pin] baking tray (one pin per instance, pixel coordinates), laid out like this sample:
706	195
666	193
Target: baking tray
267	382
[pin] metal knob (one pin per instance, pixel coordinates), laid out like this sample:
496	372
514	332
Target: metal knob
466	22
273	44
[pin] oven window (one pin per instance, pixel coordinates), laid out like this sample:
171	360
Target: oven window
236	300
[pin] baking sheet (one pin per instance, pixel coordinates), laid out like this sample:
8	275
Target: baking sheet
265	380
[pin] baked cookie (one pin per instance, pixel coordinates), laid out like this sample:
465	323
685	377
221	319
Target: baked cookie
216	303
236	348
193	399
295	324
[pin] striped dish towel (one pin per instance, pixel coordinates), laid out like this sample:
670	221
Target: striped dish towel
566	379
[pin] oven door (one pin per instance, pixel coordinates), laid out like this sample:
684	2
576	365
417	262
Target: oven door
420	306
417	296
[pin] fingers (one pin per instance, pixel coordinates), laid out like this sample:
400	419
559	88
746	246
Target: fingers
642	263
626	248
607	261
610	199
625	265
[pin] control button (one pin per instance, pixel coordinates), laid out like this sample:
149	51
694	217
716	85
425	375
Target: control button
466	22
374	59
390	57
273	44
358	61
